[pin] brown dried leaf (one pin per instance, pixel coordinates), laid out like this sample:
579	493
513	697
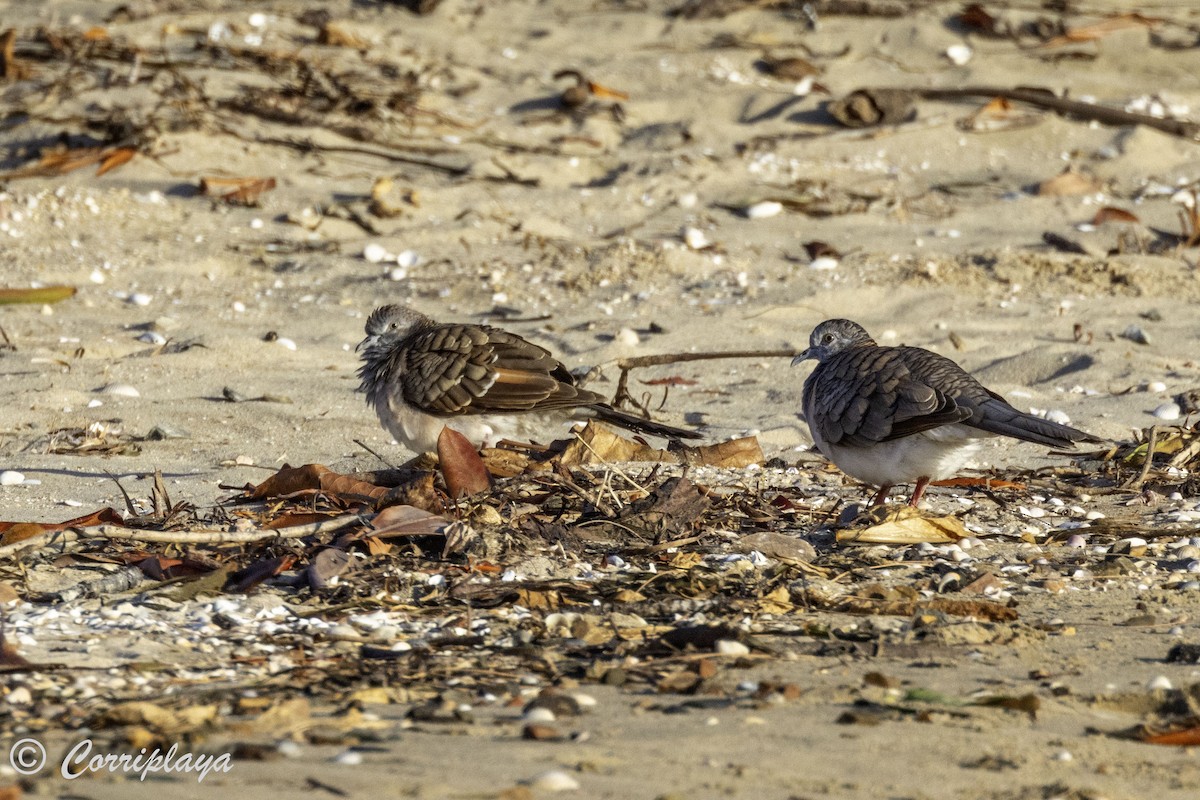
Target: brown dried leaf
977	18
461	466
115	158
1069	183
733	454
596	444
246	579
1098	30
1113	214
605	92
673	380
1188	737
292	480
906	525
237	191
980	483
334	34
42	294
18	531
402	521
327	565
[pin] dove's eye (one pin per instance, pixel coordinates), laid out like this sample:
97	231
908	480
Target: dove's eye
827	339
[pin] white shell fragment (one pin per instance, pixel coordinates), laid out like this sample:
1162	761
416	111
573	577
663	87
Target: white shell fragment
375	253
731	647
10	477
285	342
120	390
823	263
959	54
695	238
141	299
764	210
627	337
1167	411
554	780
1135	334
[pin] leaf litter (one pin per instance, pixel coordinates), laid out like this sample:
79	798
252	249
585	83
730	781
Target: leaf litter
666	575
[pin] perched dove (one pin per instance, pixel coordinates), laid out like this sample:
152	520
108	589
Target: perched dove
484	382
889	415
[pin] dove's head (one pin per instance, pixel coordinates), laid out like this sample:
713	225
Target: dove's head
832	337
388	325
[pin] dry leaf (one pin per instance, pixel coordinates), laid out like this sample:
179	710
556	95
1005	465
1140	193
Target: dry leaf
1112	214
1188	737
733	454
246	579
115	158
596	444
461	465
42	294
315	477
237	191
1098	30
979	483
402	521
1069	183
906	525
18	531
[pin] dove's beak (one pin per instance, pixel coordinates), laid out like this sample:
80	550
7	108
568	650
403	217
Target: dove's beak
366	343
805	356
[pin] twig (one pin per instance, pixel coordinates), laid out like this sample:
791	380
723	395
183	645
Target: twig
221	537
1147	462
622	394
1105	115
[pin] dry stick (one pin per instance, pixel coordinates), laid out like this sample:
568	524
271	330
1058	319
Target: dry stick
1091	111
626	364
222	537
1137	482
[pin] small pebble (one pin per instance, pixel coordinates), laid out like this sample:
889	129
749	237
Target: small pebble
1076	541
627	337
823	263
1135	334
554	780
731	647
288	749
1059	416
21	696
1155	387
1167	411
152	337
283	341
141	299
407	259
763	210
1064	755
959	54
584	700
120	390
10	477
375	253
695	238
1094	515
539	714
348	758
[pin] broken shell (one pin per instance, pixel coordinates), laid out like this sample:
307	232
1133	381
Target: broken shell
959	54
823	263
11	477
731	647
695	238
141	299
627	337
374	253
1135	334
764	210
121	390
554	780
